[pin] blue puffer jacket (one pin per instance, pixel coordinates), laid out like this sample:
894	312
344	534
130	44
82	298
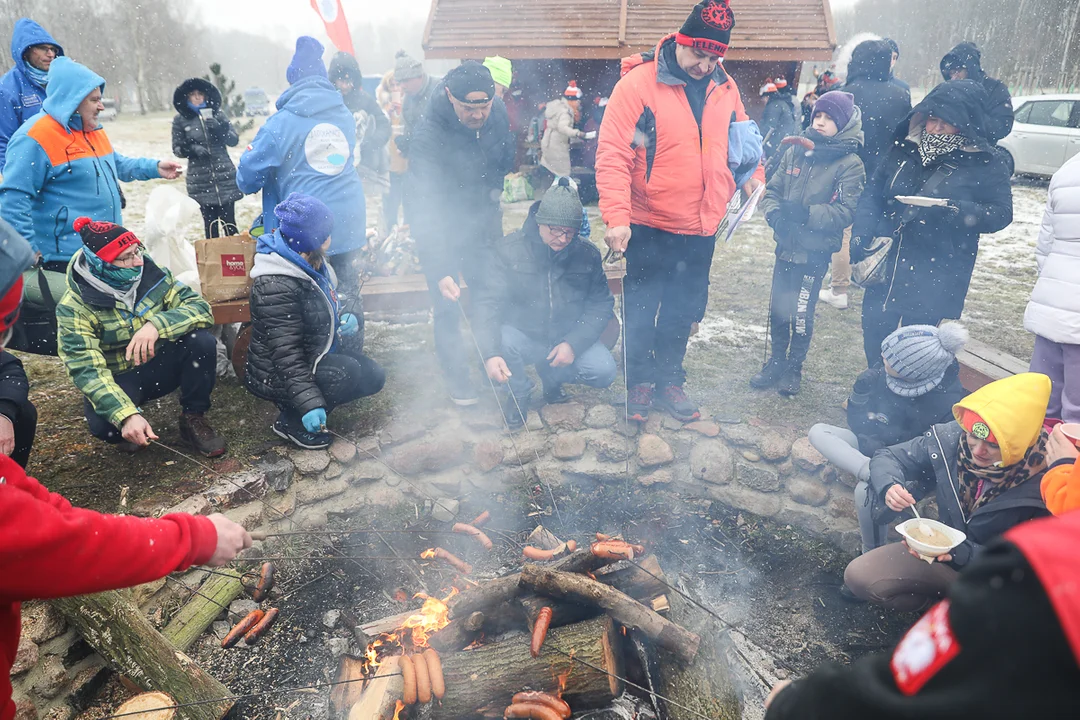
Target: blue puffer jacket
307	147
57	172
21	97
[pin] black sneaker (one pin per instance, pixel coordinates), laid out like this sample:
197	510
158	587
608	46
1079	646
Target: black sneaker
515	419
196	431
674	400
295	432
770	374
791	382
639	402
462	391
554	395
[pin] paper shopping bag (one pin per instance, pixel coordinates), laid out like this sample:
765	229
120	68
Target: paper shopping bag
225	267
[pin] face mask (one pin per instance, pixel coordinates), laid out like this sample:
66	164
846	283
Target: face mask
118	278
931	147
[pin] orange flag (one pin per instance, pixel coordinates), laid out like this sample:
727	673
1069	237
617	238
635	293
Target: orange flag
337	27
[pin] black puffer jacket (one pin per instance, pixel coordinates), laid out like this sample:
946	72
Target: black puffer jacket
999	109
780	118
372	125
881	418
211	174
551	297
14	387
884	104
934	251
454	182
292	329
928	464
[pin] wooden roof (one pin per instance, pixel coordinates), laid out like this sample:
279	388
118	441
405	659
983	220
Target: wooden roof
611	29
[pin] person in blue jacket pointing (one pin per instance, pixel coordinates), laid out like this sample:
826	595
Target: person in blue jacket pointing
22	89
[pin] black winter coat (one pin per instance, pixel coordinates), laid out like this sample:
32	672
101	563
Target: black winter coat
881	418
372	126
999	109
292	329
779	117
211	174
551	297
453	184
884	104
934	249
929	464
14	387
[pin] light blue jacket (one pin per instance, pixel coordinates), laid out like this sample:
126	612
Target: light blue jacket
307	147
56	172
20	95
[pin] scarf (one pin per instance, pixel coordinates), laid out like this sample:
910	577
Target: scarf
121	283
931	147
195	107
979	485
38	77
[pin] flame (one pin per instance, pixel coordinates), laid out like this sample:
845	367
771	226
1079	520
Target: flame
412	636
428	554
564	679
397	710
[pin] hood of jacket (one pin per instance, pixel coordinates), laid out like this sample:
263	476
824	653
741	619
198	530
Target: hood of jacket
179	98
344	65
964	55
1014	408
28	33
311	96
69	84
845	142
557	107
663	72
961	103
870	60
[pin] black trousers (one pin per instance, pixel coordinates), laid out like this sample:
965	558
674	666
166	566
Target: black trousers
343	377
189	363
394	200
665	292
25	426
795	289
455	354
879	320
225	213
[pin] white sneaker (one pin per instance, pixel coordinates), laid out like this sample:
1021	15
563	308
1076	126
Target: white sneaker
837	301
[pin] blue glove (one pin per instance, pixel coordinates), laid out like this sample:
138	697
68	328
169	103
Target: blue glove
349	325
744	149
315	420
586	227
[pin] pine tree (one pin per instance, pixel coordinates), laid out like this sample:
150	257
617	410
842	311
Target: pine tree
232	103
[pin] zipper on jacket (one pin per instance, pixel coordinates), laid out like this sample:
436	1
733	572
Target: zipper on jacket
213	175
952	485
97	171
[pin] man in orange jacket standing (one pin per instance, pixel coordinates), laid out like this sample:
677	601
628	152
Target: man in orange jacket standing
674	147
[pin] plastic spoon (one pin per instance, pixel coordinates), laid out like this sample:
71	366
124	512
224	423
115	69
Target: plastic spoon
923	527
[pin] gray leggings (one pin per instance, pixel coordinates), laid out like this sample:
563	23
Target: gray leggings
841	448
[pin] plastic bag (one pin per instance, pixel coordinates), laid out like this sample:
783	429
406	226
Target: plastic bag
172	218
516	188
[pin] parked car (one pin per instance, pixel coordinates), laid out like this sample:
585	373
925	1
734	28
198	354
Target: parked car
111	109
1046	132
256	102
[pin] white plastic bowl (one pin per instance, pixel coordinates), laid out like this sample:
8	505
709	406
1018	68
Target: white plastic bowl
915	539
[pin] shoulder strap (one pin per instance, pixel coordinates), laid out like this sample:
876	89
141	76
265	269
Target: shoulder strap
943	171
43	286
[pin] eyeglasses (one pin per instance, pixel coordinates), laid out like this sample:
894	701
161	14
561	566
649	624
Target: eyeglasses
563	233
130	256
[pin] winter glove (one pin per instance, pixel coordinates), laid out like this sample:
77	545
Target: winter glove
315	420
773	217
348	326
795	212
199	151
744	149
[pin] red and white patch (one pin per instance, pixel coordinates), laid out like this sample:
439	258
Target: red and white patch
927	647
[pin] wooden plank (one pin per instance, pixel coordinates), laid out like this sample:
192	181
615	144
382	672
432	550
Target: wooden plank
430	21
992	355
233	311
202	609
622	21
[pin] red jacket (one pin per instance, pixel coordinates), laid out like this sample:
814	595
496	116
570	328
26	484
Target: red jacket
49	549
654	165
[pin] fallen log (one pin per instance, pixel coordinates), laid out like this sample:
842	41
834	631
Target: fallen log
379	700
458	634
493	673
349	687
201	610
149	706
569	586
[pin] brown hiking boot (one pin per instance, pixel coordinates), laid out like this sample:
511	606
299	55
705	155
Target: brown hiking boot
195	430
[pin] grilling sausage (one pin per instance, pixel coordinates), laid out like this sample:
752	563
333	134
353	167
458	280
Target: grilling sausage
240	629
408	676
254	634
536	711
434	665
601	537
481	519
540	628
460	565
571	545
266	582
542	698
535	553
480	536
613	550
423	679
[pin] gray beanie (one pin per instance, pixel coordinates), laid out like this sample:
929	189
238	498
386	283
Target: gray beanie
406	67
561	205
920	355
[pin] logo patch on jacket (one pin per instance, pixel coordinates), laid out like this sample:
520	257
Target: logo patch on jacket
30	101
794	171
928	646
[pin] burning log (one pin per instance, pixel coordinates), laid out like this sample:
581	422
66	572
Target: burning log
349	686
383	694
568	586
458	634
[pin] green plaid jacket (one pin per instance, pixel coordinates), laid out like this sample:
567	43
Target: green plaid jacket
94	330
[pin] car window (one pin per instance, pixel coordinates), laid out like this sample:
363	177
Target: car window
1053	113
1023	113
1074	121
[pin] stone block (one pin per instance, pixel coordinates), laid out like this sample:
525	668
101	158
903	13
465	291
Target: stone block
806	457
26	656
488	454
283	504
810	519
750	456
657	477
740	434
533	422
808	491
601	416
592	470
850	541
446	483
240	608
248	515
703	427
237	488
608	445
569	446
652	451
742	498
398	432
773	446
757	478
361	473
654	424
563	416
439	452
42	622
843	507
52	677
445	510
330	618
333	472
342	451
312	491
25	709
60	712
309	462
279	472
834	474
337	646
195	505
713	462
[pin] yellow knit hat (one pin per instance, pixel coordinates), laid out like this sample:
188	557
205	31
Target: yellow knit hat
502	70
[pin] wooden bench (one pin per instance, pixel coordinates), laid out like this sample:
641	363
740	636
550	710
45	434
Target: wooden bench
981	365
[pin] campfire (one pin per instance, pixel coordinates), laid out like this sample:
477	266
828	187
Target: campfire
562	635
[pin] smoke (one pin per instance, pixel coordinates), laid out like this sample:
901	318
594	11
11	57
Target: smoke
842	56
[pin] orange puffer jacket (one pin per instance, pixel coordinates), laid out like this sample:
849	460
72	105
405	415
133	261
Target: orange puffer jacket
653	165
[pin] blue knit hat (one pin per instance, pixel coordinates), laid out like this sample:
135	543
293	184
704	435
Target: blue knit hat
920	355
305	222
307	60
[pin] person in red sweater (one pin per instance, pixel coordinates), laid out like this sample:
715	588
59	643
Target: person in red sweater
50	549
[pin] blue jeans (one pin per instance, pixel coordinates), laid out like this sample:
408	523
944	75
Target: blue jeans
594	367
